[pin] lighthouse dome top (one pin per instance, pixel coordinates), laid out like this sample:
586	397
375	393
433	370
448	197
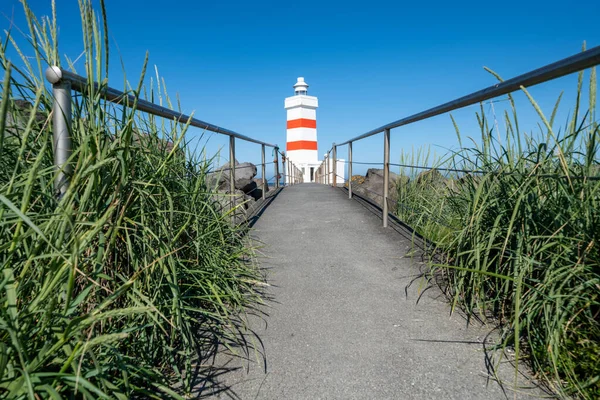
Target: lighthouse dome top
301	87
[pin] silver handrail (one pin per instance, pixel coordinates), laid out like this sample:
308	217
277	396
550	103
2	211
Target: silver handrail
566	66
292	174
569	65
63	82
56	75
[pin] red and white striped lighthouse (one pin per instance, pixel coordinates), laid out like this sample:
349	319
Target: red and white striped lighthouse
302	129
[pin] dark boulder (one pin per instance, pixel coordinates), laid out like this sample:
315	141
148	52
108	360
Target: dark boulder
18	116
246	185
243	175
431	177
252	190
223	199
259	183
372	186
243	172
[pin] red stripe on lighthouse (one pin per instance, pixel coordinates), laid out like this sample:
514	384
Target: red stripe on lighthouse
302	145
301	123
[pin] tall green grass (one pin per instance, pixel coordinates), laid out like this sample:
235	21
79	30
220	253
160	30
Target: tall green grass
119	288
423	195
522	240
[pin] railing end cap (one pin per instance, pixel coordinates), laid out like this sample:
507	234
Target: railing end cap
53	74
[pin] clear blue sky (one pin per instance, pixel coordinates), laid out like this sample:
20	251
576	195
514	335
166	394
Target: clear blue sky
369	63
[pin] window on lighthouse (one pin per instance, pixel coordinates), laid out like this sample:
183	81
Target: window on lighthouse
301	92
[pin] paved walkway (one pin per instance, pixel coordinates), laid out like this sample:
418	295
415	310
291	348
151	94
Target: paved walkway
340	324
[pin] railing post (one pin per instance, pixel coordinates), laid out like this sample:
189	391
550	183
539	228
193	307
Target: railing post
327	169
329	154
232	175
285	181
386	174
276	168
61	121
264	172
334	165
350	170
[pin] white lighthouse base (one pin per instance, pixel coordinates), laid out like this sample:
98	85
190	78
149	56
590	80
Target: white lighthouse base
309	171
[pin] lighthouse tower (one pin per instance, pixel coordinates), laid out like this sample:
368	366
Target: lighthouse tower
302	130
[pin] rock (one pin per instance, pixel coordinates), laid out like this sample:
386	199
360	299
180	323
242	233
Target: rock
257	194
430	177
259	183
248	201
243	178
451	184
246	185
376	175
223	199
243	171
402	180
246	191
469	179
372	186
252	190
18	116
216	180
356	180
145	139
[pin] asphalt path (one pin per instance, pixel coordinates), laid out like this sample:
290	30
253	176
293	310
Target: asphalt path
343	321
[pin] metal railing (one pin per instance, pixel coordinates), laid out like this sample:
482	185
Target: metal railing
327	172
293	174
64	82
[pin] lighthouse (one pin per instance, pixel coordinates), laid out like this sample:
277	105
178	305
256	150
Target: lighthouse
301	143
